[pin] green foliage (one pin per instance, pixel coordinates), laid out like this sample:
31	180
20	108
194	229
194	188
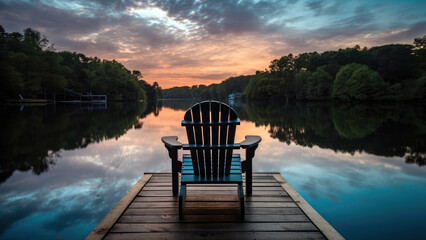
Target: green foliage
10	81
29	66
394	63
320	84
393	68
213	91
419	88
301	83
358	82
265	86
420	52
178	92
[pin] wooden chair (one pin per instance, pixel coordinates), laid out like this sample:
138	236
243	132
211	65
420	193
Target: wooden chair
210	127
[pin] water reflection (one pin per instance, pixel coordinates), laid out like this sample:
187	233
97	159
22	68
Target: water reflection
348	162
350	168
380	130
36	135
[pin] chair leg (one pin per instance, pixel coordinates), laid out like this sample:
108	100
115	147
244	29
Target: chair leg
249	182
241	197
182	196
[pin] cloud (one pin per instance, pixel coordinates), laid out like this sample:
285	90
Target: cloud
320	7
203	39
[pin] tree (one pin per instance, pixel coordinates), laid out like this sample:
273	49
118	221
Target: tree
301	81
358	82
137	74
320	84
420	52
420	43
29	66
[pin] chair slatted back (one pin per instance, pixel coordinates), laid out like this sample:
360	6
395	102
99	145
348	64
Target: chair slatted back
210	126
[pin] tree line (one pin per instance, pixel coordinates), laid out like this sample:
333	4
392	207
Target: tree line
395	72
213	91
30	67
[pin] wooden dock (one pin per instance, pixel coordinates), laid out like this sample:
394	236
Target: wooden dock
274	211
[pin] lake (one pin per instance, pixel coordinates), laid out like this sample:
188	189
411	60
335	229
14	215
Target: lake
64	167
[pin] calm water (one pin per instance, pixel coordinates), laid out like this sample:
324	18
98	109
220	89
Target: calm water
361	167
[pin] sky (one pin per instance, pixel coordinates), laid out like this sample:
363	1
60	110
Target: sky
178	43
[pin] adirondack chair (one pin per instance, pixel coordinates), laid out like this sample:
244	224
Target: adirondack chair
210	127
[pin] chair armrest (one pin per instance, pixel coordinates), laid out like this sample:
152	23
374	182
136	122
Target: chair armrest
251	141
172	142
250	144
173	145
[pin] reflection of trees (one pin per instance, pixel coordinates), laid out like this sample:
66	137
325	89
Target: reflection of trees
379	130
416	154
184	104
32	139
178	104
357	122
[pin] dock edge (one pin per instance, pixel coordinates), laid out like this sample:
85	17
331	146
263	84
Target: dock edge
100	231
323	226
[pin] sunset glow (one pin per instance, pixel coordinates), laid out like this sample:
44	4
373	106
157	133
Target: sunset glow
179	43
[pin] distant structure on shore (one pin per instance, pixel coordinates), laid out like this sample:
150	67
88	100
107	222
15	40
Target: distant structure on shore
237	95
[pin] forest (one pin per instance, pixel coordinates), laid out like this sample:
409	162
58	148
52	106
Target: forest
395	72
213	91
30	67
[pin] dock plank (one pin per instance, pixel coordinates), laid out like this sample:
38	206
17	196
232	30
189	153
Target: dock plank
265	211
174	218
212	212
217	227
217	235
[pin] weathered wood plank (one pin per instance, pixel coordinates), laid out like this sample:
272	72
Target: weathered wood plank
328	231
155	199
219	211
108	221
268	199
174	218
222	198
255	184
156	193
254	173
217	235
211	198
153	204
269	193
212	188
266	180
212	211
270	204
217	227
212	204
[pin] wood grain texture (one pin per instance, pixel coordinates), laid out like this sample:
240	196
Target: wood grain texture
212	212
217	235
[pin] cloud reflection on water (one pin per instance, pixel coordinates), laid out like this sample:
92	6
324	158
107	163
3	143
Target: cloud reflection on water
85	183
